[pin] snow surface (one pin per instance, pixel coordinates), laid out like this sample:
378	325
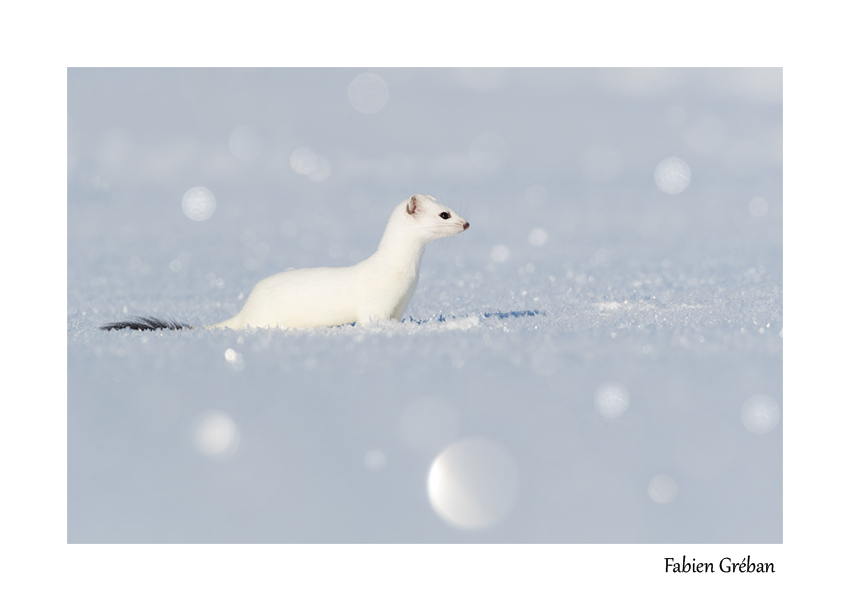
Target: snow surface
581	290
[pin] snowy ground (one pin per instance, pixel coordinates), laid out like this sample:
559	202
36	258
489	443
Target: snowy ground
619	347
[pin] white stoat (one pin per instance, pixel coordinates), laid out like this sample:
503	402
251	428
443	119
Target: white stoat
378	288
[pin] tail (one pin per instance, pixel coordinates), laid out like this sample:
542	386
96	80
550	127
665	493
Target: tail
142	323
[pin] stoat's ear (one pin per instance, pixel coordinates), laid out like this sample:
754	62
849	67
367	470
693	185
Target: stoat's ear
412	205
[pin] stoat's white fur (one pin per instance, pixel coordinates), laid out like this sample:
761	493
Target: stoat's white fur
378	288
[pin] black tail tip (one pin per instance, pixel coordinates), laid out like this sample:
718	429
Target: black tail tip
143	323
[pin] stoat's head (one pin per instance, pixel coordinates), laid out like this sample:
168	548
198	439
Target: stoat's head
431	219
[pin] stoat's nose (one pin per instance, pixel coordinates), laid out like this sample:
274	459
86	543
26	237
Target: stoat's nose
466	225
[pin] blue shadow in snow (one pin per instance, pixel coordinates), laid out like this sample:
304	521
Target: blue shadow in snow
514	314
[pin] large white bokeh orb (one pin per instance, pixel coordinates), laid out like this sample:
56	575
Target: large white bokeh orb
473	483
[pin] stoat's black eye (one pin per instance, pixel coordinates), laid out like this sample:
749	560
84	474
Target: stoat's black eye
445	215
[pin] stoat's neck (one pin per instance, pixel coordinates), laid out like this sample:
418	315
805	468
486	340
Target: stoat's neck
401	247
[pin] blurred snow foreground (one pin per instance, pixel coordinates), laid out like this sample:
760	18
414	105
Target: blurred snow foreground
599	359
